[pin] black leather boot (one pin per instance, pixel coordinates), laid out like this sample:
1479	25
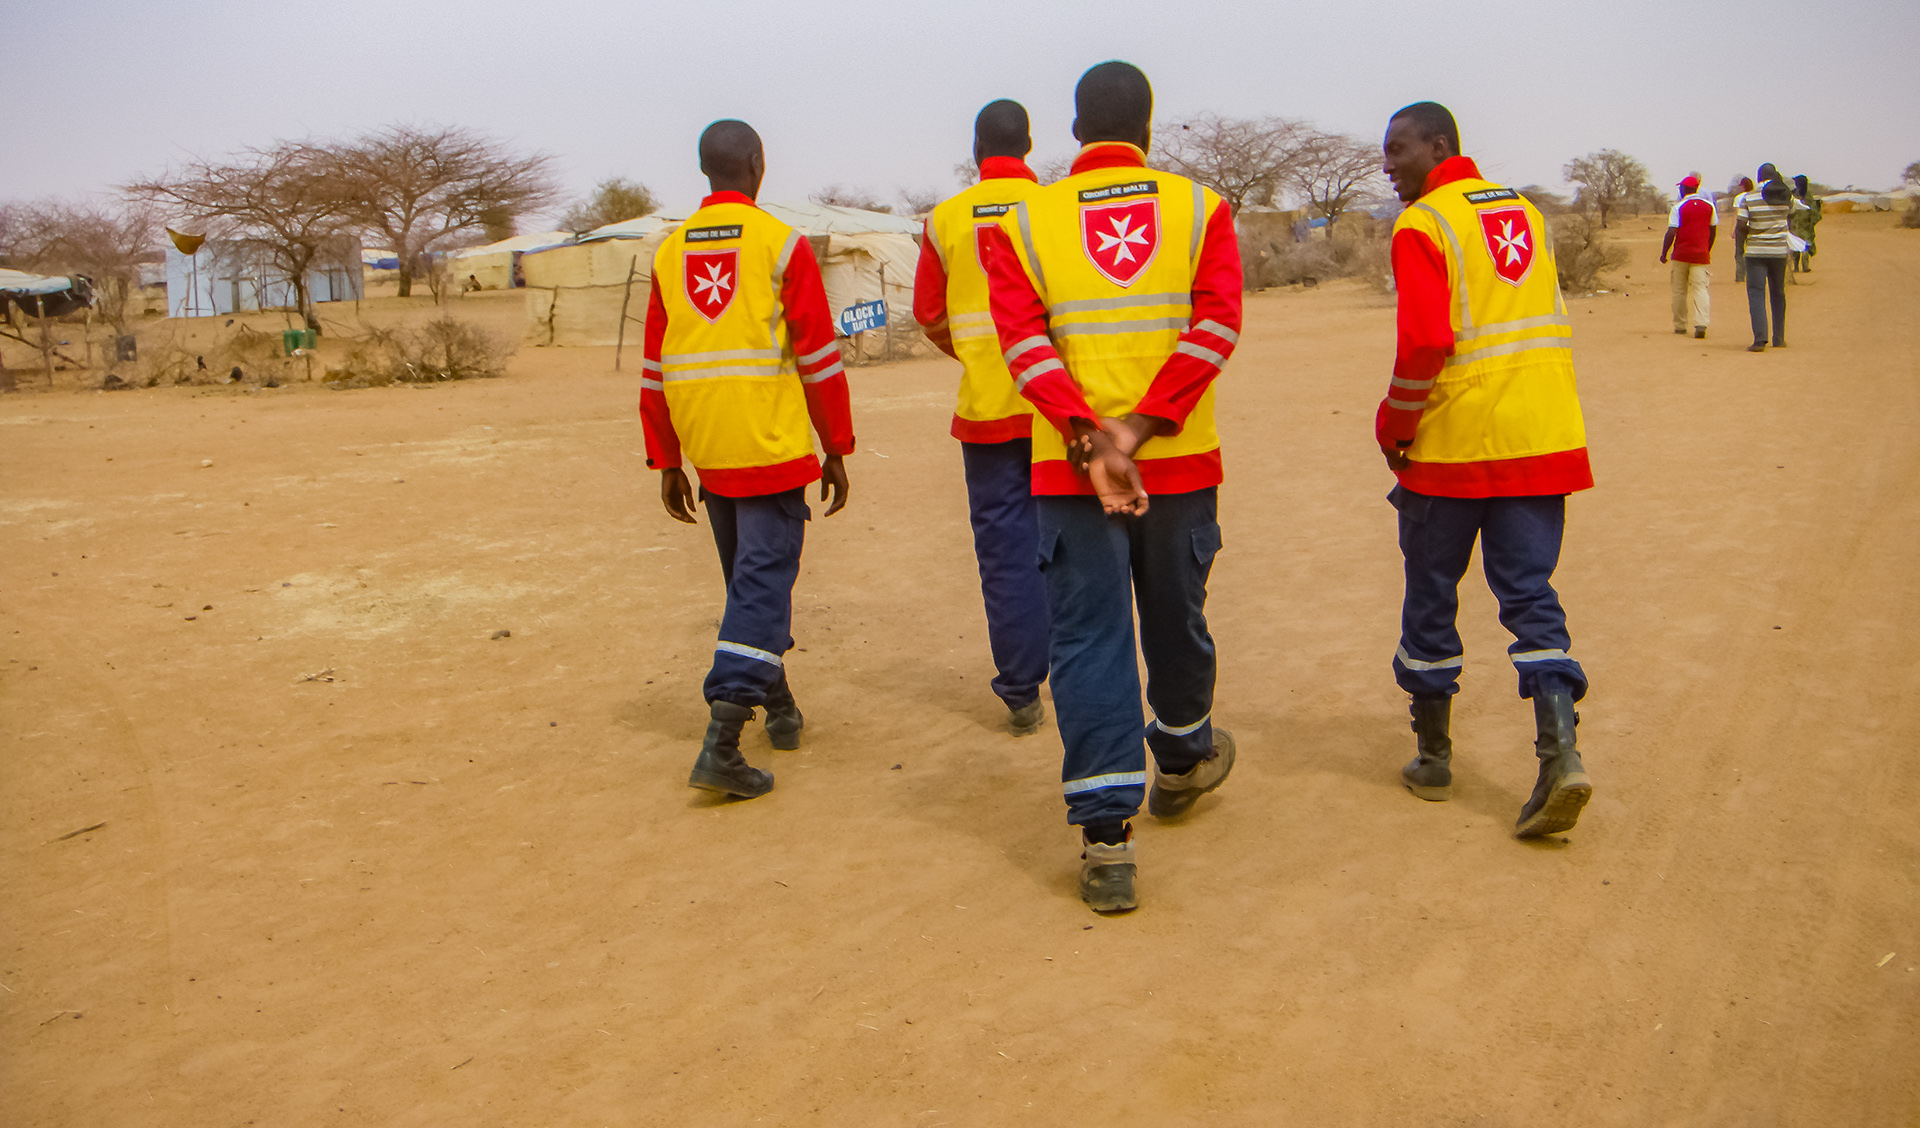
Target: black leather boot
721	767
1430	774
784	721
1563	787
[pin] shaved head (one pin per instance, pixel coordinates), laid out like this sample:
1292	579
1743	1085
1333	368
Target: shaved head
1001	130
1431	120
1114	102
732	158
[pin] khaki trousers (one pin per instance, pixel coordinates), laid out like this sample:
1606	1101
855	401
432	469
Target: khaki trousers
1690	301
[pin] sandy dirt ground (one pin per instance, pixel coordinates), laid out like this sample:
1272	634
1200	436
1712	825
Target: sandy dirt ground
461	880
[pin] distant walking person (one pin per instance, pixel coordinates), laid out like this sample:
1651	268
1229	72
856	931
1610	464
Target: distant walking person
740	359
992	420
1739	248
1806	216
1691	228
1760	227
1482	426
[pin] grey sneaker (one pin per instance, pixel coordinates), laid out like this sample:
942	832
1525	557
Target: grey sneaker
1175	795
1026	720
1106	876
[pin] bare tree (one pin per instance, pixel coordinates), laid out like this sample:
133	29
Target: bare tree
417	187
919	201
1546	200
1333	170
1246	160
840	196
967	173
284	203
612	201
1052	170
1608	179
104	243
1911	174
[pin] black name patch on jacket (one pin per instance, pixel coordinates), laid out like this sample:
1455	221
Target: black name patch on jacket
1491	194
1118	191
712	234
989	211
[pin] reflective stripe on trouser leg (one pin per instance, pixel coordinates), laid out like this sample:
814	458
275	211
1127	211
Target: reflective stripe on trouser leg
1096	680
1172	550
1436	538
759	540
1520	547
1006	536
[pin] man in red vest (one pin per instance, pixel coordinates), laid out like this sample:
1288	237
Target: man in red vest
741	369
992	421
1691	228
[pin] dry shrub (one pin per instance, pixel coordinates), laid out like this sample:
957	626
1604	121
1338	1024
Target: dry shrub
165	359
1911	217
444	348
1350	253
1583	253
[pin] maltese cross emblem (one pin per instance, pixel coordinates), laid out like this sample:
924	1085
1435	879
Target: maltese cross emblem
1120	239
1510	242
711	279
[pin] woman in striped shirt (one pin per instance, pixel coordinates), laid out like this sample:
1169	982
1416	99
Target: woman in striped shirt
1760	233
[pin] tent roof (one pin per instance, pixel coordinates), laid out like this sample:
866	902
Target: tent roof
631	228
20	282
519	243
827	219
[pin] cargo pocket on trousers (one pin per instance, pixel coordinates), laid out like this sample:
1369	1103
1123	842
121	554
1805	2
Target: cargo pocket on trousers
1412	506
793	503
1049	544
1206	544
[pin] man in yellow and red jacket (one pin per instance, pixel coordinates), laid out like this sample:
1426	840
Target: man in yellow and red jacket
741	368
1115	295
993	422
1482	425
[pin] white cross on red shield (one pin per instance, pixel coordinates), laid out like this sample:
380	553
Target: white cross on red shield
712	277
1120	239
1510	240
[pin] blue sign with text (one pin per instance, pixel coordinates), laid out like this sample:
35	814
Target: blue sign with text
862	316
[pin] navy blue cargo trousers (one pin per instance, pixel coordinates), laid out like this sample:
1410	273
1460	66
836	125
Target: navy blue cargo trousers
1098	569
1006	539
1519	547
759	539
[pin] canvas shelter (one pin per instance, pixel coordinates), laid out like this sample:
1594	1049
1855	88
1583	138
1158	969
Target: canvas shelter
574	293
227	276
492	265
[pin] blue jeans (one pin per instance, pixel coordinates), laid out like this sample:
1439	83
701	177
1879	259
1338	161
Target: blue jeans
1098	570
1006	542
1519	547
759	539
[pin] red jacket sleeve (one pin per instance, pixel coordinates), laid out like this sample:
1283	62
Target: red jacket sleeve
663	442
1020	320
930	294
1425	336
1212	331
810	331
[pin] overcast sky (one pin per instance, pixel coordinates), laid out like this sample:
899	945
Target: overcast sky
883	97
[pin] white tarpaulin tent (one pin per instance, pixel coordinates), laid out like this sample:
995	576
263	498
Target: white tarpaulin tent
575	293
492	265
223	277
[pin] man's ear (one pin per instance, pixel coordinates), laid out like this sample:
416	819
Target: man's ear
1076	132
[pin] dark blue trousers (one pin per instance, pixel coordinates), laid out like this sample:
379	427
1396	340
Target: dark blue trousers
759	539
1519	547
1006	541
1099	569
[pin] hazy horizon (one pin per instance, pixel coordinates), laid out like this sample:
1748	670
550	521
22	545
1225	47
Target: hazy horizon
885	103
